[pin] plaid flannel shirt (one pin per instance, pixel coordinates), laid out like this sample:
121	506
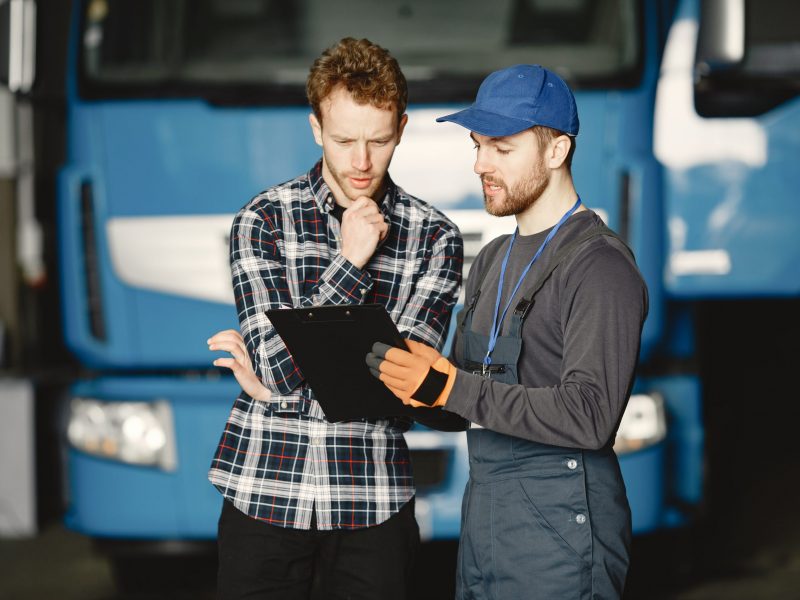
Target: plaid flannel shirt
278	461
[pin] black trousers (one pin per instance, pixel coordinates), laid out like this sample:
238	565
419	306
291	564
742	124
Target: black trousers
259	561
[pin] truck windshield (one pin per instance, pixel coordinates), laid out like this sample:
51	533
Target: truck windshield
261	50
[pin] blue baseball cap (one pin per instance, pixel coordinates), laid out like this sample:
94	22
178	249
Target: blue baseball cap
517	98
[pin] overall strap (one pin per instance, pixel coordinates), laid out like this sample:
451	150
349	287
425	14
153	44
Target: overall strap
526	302
491	251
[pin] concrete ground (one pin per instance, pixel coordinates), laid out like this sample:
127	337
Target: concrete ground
61	565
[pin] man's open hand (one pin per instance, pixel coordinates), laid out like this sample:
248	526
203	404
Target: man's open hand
231	341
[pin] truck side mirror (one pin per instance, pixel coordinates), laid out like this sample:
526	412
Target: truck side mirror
721	37
17	44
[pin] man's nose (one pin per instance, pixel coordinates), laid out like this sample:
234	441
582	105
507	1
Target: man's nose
360	158
481	166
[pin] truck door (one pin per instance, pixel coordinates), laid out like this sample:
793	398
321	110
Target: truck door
727	130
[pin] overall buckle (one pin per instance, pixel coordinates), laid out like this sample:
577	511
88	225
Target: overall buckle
486	371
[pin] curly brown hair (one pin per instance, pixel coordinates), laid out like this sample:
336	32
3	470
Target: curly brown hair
366	70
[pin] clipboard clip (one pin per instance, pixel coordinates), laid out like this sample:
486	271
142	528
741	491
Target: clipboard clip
346	316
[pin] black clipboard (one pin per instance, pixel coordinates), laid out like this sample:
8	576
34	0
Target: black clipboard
330	344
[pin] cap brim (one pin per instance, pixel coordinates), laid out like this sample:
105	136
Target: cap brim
487	123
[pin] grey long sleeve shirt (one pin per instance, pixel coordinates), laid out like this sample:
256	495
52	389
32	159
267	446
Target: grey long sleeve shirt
580	342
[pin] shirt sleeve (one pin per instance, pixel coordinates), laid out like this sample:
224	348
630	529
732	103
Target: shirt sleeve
259	284
604	304
427	313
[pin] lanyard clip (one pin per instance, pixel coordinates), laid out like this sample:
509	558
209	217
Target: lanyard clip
486	366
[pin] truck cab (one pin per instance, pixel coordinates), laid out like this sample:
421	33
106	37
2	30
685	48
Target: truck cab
179	112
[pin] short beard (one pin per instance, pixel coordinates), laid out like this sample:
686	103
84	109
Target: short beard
523	196
341	181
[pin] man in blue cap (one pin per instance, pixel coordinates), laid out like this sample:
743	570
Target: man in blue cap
543	361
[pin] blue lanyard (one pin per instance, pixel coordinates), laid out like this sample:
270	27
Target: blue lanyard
495	333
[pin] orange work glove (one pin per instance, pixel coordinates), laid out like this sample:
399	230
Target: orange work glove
419	377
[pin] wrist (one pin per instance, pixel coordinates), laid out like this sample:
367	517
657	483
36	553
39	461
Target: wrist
263	396
434	388
446	367
357	262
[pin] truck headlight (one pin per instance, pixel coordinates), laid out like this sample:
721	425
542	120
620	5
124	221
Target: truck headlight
139	433
643	424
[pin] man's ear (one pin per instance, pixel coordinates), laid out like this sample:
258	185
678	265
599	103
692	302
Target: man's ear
559	149
316	128
401	127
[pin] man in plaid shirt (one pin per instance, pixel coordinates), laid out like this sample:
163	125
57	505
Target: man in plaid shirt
305	498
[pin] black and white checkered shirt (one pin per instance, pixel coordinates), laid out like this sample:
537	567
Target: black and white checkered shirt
279	460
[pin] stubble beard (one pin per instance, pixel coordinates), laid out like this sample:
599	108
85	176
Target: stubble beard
522	197
350	193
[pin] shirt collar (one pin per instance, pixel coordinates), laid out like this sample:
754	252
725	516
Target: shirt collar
324	197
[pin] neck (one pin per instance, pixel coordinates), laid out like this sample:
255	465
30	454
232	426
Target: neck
555	201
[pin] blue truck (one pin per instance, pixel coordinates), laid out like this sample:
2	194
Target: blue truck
178	112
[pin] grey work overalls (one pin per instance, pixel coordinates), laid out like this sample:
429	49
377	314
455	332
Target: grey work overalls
538	521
